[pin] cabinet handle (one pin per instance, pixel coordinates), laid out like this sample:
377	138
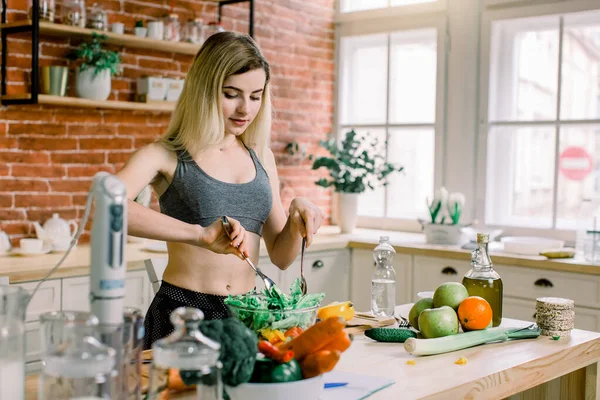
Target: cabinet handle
534	316
449	271
543	282
318	264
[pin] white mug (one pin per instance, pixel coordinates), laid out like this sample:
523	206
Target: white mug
118	27
156	30
31	245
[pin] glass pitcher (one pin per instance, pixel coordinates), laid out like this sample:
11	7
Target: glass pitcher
13	301
75	364
187	355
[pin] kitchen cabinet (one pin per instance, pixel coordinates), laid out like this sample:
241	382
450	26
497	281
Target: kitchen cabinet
325	272
430	272
362	271
76	291
47	298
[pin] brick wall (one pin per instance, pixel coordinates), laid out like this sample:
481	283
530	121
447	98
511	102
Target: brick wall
48	154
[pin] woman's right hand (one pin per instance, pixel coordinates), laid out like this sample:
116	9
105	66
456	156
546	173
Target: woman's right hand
216	239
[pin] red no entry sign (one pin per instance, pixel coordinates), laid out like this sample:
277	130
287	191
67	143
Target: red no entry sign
575	163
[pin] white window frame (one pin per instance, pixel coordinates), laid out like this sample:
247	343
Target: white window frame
387	20
487	18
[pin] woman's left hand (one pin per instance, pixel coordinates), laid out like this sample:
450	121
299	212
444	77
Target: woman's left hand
306	217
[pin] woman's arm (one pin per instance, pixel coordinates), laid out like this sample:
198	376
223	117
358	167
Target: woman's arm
283	235
142	169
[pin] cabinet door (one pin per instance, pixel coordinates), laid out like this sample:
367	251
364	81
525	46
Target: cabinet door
47	298
76	292
430	272
325	272
361	275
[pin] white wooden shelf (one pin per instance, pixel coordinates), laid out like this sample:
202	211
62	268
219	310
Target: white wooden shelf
85	103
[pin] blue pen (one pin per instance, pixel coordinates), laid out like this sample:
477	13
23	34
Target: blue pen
335	384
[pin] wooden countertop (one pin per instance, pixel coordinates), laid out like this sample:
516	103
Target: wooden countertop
492	371
31	268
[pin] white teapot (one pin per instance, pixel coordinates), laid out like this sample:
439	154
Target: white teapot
56	232
5	245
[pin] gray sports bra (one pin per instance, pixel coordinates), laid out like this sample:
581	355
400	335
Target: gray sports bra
197	198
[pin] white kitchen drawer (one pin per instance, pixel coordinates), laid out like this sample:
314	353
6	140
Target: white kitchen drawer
431	272
362	273
325	272
46	299
32	342
76	292
585	318
532	283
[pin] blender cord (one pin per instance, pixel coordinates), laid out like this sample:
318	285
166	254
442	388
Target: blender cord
86	214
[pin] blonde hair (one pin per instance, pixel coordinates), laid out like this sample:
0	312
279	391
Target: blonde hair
197	121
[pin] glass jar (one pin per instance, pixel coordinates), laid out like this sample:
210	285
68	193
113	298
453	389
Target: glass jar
97	19
73	13
482	280
188	354
172	28
13	301
211	28
75	364
193	31
47	10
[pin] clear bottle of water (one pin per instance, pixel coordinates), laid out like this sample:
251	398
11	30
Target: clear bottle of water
383	283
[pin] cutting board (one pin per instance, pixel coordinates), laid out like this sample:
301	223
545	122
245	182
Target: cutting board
363	321
359	386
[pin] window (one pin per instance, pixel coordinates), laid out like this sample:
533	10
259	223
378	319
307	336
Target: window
359	5
388	88
543	112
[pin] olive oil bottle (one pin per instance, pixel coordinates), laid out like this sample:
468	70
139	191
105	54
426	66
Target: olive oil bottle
482	280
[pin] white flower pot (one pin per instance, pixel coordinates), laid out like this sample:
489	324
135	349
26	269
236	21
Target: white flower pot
347	211
444	234
93	87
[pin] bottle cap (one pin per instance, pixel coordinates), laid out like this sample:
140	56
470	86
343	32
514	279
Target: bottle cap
383	238
483	238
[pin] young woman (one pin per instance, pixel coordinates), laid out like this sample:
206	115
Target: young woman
214	160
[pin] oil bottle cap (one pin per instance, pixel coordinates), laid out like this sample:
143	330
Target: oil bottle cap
483	238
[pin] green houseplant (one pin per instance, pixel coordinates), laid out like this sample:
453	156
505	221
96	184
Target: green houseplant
96	66
355	165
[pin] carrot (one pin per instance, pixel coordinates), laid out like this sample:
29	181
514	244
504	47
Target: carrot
274	353
340	342
318	363
175	382
315	338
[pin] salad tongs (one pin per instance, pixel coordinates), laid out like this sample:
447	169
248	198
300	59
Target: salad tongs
268	281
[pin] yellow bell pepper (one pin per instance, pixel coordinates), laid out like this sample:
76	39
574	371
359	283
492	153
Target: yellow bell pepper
337	309
272	335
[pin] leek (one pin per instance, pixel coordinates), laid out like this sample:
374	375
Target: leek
446	344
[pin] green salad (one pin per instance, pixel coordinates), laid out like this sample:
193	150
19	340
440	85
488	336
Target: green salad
274	309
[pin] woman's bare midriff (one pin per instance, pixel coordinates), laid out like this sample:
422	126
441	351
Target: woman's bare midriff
204	271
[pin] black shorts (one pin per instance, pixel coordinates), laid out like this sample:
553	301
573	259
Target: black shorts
157	323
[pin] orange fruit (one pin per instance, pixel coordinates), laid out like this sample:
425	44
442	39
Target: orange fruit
474	313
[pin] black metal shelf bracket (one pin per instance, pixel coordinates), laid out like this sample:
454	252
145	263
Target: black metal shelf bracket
34	28
250	18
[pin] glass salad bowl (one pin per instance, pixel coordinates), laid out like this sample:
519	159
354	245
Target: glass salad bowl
274	315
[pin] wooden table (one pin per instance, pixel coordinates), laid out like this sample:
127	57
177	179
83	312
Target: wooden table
541	368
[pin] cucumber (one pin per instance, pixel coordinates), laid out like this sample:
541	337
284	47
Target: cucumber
396	335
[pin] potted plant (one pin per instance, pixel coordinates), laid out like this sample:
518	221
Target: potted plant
355	165
96	67
445	211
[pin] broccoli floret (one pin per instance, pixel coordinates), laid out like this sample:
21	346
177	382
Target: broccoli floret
238	348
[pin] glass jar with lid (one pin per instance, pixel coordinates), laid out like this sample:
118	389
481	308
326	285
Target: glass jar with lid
193	31
211	28
73	13
188	354
97	19
47	10
172	28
